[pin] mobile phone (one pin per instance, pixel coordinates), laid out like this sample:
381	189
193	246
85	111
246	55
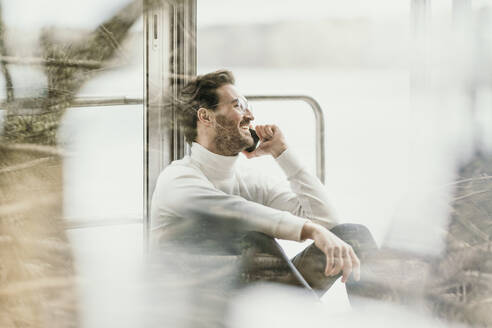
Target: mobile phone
255	140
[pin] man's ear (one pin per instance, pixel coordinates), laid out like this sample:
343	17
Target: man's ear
205	116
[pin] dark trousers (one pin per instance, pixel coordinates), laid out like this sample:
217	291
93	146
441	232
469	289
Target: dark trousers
212	265
264	260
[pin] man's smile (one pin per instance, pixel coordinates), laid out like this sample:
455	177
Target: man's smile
244	125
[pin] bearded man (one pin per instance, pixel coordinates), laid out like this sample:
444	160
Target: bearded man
217	121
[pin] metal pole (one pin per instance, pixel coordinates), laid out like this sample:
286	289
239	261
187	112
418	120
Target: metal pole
170	60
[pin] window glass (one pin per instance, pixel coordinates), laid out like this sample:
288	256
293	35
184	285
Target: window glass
103	163
353	58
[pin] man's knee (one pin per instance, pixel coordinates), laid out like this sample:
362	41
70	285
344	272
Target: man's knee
350	228
356	235
256	242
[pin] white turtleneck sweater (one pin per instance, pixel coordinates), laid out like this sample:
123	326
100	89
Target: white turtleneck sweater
209	183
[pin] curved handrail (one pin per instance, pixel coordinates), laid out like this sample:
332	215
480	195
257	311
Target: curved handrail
320	125
320	138
315	106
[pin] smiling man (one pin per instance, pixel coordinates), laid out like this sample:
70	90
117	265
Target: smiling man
217	121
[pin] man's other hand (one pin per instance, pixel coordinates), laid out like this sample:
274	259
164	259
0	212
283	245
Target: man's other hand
272	142
340	257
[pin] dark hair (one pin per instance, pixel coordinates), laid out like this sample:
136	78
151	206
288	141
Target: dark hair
201	91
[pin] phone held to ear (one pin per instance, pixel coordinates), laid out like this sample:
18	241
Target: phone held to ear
255	140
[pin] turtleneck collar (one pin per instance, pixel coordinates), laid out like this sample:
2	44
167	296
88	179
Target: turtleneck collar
213	165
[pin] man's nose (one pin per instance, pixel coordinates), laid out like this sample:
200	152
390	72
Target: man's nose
249	115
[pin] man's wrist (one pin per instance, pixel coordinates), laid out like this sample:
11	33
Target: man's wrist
279	151
309	229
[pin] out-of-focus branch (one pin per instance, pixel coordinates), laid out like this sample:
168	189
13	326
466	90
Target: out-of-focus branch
5	70
68	65
89	64
97	47
26	165
37	286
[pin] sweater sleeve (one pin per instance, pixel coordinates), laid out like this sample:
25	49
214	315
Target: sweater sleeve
183	192
305	197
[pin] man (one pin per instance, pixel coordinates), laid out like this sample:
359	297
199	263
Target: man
217	119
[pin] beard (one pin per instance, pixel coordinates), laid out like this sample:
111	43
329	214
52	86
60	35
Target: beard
229	139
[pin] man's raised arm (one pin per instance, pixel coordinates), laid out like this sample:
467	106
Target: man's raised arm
306	197
184	193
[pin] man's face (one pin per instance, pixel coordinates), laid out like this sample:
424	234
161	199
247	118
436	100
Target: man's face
232	123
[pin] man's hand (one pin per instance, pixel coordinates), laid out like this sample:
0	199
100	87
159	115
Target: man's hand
272	142
339	255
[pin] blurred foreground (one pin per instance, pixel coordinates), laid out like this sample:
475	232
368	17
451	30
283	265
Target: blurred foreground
436	246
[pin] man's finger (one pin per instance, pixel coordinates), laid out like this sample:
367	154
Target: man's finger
329	261
338	265
265	145
265	131
259	131
338	262
347	266
263	136
355	264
